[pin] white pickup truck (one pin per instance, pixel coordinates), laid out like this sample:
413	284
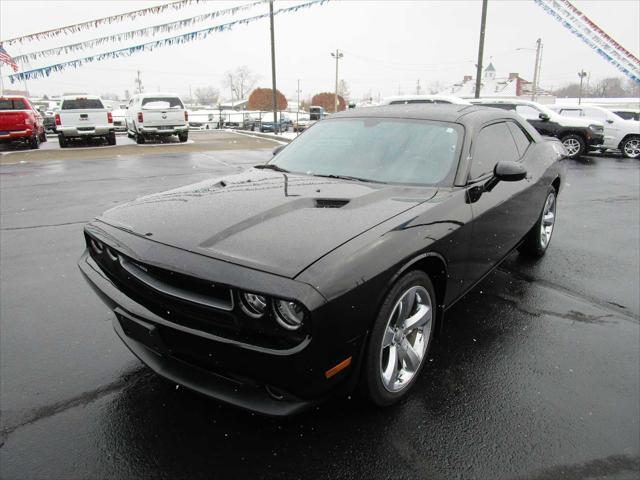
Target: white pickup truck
84	117
154	115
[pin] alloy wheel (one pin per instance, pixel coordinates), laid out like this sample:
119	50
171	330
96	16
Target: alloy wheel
548	220
572	145
632	148
406	338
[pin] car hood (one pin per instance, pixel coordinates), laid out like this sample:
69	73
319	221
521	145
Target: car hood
275	222
575	122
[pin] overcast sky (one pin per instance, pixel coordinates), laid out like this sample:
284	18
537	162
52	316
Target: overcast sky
387	45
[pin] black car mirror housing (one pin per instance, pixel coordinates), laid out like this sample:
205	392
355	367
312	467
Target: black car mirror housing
277	150
544	117
505	171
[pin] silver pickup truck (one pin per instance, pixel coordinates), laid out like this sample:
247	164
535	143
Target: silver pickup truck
84	117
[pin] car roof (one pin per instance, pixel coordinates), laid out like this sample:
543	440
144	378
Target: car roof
446	98
465	114
157	95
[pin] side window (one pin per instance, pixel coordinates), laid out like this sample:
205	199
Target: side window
570	112
594	113
521	138
493	144
528	112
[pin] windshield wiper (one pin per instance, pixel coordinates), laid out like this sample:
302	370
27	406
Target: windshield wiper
271	166
347	177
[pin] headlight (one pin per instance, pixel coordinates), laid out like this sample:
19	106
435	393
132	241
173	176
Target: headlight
288	314
253	304
97	246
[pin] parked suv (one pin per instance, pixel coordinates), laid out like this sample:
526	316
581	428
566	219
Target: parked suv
619	134
20	122
154	115
576	134
83	117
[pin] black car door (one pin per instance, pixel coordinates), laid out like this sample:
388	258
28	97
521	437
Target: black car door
502	216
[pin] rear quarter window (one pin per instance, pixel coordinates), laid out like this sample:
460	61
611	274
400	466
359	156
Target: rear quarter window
16	104
81	104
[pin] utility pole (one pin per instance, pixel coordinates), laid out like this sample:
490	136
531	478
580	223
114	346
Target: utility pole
582	74
418	87
231	88
536	69
273	69
483	23
138	81
337	56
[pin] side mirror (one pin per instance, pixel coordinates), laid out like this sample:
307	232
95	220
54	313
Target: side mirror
609	120
277	150
505	171
544	117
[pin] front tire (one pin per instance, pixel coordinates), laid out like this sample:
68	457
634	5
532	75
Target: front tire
400	339
183	137
62	141
537	240
139	138
631	147
574	144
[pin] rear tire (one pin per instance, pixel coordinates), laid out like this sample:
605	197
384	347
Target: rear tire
140	138
34	141
574	144
537	240
62	141
183	137
396	353
631	147
111	138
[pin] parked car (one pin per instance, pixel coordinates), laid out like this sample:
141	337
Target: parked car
332	265
271	126
627	113
119	120
20	122
154	115
302	123
576	134
82	117
49	121
411	99
619	134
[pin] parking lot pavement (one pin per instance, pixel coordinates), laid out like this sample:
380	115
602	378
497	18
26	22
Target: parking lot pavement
534	376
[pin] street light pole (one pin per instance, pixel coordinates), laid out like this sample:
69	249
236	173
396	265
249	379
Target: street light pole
298	107
536	69
273	70
581	74
337	56
483	23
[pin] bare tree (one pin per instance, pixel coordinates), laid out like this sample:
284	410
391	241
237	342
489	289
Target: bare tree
206	95
343	90
240	82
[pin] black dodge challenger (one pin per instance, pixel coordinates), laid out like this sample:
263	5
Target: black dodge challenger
331	266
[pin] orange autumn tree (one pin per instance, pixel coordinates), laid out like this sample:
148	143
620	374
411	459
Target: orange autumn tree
262	99
326	100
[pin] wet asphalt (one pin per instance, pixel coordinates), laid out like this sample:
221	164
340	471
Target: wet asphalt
535	375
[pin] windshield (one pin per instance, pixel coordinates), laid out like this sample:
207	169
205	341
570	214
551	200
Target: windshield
376	149
161	103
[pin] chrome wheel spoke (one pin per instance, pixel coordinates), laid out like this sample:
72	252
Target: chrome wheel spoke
406	304
421	317
390	373
548	218
387	339
411	358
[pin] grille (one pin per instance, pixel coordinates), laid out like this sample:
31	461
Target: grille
189	301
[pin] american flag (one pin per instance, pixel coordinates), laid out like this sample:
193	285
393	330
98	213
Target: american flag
6	58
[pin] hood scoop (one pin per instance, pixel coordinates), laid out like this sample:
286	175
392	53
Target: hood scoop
330	202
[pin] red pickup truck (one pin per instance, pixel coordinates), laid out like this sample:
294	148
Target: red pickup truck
20	122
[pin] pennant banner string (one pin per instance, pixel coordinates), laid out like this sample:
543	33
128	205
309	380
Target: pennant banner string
77	27
165	27
150	46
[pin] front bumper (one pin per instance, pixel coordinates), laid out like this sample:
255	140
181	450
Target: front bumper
97	131
272	382
595	139
164	129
